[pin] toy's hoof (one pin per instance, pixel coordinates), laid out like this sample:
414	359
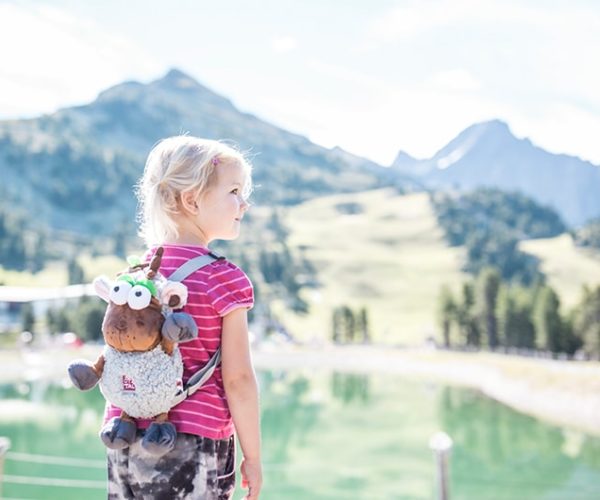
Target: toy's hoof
118	434
159	438
83	375
179	327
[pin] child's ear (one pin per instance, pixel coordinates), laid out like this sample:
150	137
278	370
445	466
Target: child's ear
189	201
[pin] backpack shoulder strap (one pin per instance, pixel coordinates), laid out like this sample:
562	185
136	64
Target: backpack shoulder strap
192	265
203	374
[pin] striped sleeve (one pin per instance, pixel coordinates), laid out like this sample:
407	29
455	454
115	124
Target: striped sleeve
229	288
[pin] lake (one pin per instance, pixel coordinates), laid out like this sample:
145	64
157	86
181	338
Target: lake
326	435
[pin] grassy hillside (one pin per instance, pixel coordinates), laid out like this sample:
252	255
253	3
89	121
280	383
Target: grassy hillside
55	273
566	266
385	251
377	249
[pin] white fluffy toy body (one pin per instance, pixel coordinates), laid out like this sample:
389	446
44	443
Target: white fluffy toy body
142	384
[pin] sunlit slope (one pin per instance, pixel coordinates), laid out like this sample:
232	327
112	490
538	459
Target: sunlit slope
389	256
566	266
55	273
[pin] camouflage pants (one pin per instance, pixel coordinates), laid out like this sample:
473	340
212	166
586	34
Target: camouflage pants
197	468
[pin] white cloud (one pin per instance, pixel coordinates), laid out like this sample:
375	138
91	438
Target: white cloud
284	44
52	59
348	75
454	79
422	17
417	17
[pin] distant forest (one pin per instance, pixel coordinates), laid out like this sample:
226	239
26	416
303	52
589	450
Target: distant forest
489	313
507	305
490	223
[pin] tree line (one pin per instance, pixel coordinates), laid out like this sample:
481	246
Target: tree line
83	316
20	247
491	313
489	223
350	326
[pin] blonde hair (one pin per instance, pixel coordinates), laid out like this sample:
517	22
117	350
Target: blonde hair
176	165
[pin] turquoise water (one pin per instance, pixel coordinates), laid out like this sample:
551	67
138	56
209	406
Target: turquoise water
325	436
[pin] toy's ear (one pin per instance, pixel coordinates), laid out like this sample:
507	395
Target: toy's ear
102	287
174	294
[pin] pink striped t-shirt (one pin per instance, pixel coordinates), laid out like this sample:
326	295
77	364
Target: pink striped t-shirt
213	291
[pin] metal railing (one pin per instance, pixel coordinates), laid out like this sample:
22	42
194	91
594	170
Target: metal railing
440	443
4	447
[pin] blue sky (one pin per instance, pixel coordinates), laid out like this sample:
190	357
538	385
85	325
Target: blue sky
371	76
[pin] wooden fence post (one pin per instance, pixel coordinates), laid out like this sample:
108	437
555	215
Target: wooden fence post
441	444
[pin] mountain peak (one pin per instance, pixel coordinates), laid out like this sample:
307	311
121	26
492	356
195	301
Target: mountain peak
177	79
492	134
403	159
181	86
176	73
495	125
490	129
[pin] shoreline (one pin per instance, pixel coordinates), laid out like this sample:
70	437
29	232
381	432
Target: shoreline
563	393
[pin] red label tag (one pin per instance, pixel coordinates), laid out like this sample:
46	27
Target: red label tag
128	384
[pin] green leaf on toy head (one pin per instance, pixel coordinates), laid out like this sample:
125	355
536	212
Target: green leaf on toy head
126	277
149	284
133	260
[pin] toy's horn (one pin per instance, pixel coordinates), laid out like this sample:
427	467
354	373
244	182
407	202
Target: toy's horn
155	263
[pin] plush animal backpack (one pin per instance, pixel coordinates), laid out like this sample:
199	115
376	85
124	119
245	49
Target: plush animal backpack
140	369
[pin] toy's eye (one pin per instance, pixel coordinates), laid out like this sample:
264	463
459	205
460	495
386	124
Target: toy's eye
119	292
139	297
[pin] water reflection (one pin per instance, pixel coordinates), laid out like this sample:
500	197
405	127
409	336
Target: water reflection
287	413
330	435
350	388
520	455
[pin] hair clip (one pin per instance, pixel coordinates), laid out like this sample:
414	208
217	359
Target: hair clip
215	161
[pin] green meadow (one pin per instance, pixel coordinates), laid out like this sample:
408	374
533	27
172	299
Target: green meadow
566	266
56	274
385	251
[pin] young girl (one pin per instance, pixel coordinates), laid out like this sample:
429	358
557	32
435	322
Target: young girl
194	191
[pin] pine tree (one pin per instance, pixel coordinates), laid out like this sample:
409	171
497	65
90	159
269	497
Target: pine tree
547	321
75	271
507	321
336	326
488	284
446	312
586	321
363	325
87	318
466	317
349	324
525	330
